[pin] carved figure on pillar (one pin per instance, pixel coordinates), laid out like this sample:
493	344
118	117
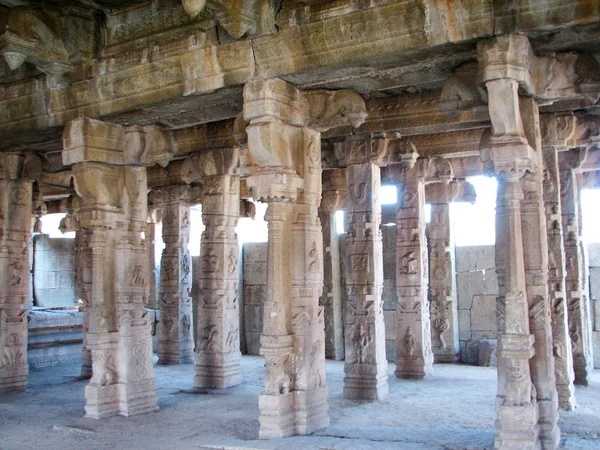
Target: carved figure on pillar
15	234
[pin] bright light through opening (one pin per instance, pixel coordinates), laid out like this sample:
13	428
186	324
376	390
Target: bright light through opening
50	224
388	195
339	221
590	199
476	224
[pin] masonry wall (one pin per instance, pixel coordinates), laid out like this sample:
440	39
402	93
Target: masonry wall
254	294
594	264
477	290
54	271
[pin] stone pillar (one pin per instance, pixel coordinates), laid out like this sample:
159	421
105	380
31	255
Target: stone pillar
283	136
114	277
509	151
535	254
15	234
442	274
334	198
218	351
562	350
151	239
175	343
579	324
414	358
114	287
366	365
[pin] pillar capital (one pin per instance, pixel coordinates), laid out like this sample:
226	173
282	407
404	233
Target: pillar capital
91	140
454	192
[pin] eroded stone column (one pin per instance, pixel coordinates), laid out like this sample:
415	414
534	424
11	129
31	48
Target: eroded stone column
15	234
366	365
283	137
535	253
442	274
114	288
414	358
175	343
334	198
562	350
578	318
218	352
509	152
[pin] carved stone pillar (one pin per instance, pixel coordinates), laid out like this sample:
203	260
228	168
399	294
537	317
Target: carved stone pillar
507	152
442	274
535	254
285	146
114	287
218	351
414	358
114	278
175	343
366	365
579	324
557	129
15	234
334	198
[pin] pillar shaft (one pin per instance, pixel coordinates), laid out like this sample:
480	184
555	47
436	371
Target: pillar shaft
578	318
562	350
218	351
533	225
366	365
333	199
331	300
175	343
517	404
114	289
414	358
15	234
442	286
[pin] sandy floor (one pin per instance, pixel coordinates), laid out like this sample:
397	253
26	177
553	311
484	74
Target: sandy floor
453	409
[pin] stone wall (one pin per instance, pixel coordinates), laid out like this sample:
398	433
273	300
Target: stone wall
54	336
54	272
477	287
594	263
254	294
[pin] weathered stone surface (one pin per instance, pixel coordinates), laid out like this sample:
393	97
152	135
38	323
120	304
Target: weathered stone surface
469	284
483	314
475	258
464	324
488	355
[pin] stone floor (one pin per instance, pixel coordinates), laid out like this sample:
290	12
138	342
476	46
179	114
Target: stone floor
453	409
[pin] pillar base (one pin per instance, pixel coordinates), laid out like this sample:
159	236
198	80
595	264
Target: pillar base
446	358
166	360
358	387
14	379
120	399
566	398
582	370
414	368
517	428
217	377
292	414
